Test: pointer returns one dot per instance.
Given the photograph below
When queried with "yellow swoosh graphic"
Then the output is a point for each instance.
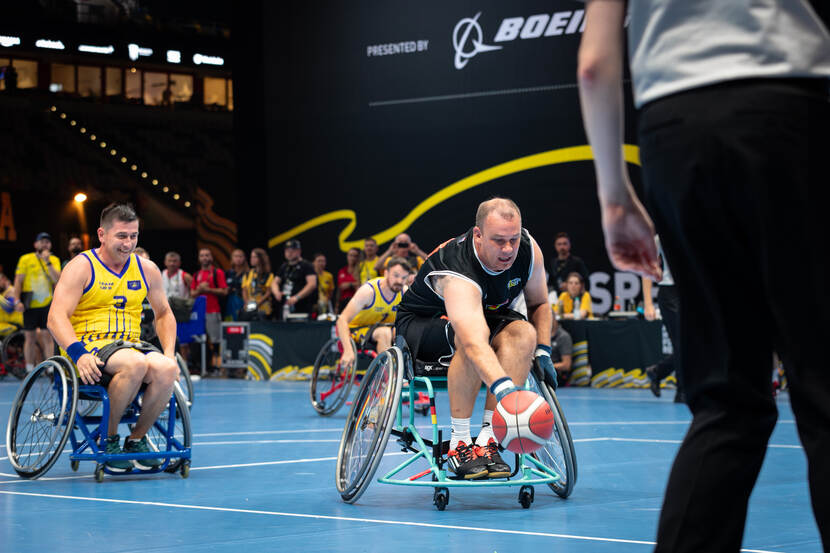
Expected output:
(552, 157)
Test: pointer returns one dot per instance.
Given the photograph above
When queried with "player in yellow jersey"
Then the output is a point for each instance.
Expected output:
(96, 318)
(376, 302)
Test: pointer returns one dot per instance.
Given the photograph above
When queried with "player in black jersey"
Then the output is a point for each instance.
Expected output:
(460, 306)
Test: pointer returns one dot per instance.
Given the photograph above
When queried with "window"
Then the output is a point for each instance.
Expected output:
(115, 76)
(154, 86)
(26, 73)
(63, 78)
(133, 83)
(215, 92)
(182, 87)
(89, 81)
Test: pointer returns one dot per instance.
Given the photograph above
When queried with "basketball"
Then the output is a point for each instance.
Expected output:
(522, 421)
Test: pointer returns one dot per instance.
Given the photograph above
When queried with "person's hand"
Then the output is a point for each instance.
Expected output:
(19, 307)
(546, 364)
(278, 295)
(44, 254)
(89, 368)
(292, 300)
(629, 238)
(650, 313)
(202, 286)
(347, 359)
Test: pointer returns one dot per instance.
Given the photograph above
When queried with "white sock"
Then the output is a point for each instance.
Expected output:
(29, 367)
(486, 429)
(460, 432)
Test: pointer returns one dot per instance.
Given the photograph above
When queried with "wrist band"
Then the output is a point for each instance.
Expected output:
(76, 350)
(546, 350)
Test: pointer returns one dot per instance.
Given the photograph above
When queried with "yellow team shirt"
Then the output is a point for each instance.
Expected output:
(381, 310)
(257, 288)
(566, 304)
(325, 287)
(36, 278)
(10, 319)
(110, 306)
(367, 270)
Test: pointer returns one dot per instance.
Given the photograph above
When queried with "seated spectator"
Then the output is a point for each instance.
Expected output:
(233, 278)
(563, 264)
(370, 257)
(325, 285)
(10, 319)
(562, 349)
(402, 246)
(256, 288)
(176, 282)
(210, 282)
(348, 279)
(575, 302)
(295, 283)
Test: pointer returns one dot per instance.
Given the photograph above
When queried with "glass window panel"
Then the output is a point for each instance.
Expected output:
(181, 87)
(89, 81)
(115, 76)
(132, 81)
(63, 75)
(215, 91)
(154, 87)
(26, 73)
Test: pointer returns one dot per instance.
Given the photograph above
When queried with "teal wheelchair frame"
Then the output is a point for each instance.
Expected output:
(377, 413)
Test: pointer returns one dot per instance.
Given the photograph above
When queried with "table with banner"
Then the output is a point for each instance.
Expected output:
(607, 353)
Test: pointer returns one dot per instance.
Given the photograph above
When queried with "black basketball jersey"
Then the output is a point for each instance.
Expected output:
(457, 257)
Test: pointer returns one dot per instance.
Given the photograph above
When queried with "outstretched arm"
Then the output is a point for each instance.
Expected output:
(628, 228)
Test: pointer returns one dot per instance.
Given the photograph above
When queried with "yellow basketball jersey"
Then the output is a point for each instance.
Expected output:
(110, 307)
(381, 310)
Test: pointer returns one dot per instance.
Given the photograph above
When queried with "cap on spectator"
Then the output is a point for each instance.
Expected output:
(293, 244)
(43, 235)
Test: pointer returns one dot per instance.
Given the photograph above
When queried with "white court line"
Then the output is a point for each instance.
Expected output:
(349, 519)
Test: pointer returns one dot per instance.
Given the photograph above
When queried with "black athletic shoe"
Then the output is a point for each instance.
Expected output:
(654, 384)
(496, 467)
(467, 461)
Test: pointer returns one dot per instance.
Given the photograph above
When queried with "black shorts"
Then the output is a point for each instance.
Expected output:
(433, 338)
(35, 317)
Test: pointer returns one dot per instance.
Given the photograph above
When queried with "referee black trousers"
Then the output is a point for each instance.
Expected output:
(736, 178)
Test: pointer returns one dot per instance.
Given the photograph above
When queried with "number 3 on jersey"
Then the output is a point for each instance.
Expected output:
(120, 301)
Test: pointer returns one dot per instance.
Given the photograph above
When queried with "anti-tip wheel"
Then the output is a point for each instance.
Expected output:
(99, 473)
(526, 496)
(440, 498)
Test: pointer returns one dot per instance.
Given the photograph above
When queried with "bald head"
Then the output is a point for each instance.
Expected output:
(501, 207)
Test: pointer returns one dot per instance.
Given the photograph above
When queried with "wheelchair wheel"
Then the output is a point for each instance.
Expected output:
(41, 418)
(369, 424)
(11, 354)
(185, 383)
(157, 435)
(328, 396)
(558, 453)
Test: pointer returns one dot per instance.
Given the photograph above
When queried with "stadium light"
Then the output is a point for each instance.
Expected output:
(174, 56)
(50, 44)
(80, 197)
(9, 41)
(96, 49)
(209, 60)
(134, 51)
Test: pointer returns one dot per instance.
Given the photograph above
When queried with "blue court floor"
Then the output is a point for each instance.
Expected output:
(263, 480)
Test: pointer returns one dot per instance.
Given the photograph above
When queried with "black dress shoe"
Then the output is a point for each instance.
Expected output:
(654, 384)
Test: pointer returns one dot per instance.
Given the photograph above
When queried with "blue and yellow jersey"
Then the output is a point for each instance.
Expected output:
(110, 307)
(381, 310)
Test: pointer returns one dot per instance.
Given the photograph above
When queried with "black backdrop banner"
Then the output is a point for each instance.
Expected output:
(385, 116)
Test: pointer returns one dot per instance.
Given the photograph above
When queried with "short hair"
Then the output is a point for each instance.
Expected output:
(139, 250)
(504, 207)
(118, 211)
(561, 235)
(173, 254)
(578, 276)
(370, 239)
(317, 254)
(397, 260)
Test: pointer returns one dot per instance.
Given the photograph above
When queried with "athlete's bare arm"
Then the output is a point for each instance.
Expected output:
(74, 278)
(462, 301)
(360, 301)
(164, 319)
(536, 296)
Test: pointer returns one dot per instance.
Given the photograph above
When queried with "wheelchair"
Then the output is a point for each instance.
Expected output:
(11, 354)
(52, 406)
(376, 414)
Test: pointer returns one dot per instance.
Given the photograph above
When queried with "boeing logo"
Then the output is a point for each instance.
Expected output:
(460, 37)
(468, 38)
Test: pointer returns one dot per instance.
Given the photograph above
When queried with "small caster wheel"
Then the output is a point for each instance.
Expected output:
(99, 473)
(185, 470)
(526, 496)
(440, 498)
(75, 465)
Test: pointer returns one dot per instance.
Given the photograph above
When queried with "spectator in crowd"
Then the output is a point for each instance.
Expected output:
(10, 319)
(370, 258)
(141, 252)
(565, 263)
(575, 301)
(562, 349)
(148, 316)
(402, 246)
(256, 288)
(176, 282)
(669, 307)
(325, 285)
(210, 282)
(34, 281)
(295, 284)
(76, 246)
(233, 278)
(348, 280)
